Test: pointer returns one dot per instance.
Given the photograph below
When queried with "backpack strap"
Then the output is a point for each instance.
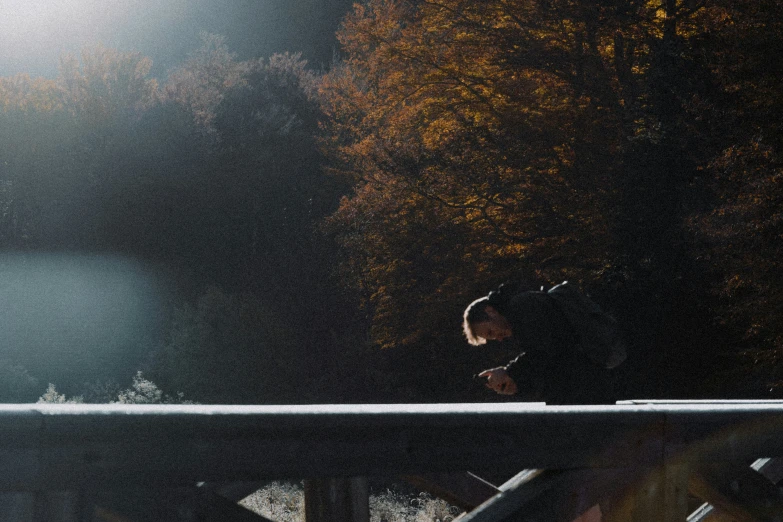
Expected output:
(500, 297)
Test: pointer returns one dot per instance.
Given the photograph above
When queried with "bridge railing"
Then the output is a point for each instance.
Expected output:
(595, 451)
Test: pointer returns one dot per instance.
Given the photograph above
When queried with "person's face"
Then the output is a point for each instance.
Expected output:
(496, 328)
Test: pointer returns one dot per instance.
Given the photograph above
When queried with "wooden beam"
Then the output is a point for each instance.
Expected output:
(337, 500)
(234, 491)
(58, 447)
(554, 496)
(192, 504)
(514, 494)
(739, 491)
(770, 468)
(212, 506)
(464, 490)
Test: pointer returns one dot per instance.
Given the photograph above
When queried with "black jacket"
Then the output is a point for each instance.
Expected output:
(550, 367)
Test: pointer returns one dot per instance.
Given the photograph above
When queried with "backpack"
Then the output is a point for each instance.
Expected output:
(598, 333)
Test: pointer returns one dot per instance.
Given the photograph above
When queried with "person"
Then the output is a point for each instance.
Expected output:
(567, 345)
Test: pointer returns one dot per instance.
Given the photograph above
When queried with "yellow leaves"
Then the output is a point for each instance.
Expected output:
(23, 93)
(440, 133)
(513, 250)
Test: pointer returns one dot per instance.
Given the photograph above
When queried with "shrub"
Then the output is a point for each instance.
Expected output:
(51, 396)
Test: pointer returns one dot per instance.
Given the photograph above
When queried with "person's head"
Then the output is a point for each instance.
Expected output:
(481, 322)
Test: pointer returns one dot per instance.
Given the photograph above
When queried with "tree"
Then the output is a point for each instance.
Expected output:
(52, 396)
(541, 141)
(106, 84)
(61, 142)
(144, 391)
(215, 181)
(18, 384)
(436, 125)
(203, 80)
(36, 133)
(739, 227)
(230, 349)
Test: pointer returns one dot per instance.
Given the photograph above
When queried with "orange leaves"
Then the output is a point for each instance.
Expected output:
(457, 120)
(745, 237)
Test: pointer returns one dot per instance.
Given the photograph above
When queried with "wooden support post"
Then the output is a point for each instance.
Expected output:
(337, 500)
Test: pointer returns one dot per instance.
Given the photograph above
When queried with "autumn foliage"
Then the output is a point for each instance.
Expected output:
(324, 228)
(627, 145)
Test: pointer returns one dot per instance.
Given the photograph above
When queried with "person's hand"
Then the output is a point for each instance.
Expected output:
(499, 380)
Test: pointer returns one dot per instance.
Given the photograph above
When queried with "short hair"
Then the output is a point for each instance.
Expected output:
(475, 313)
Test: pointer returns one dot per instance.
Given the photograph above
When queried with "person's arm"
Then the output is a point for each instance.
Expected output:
(499, 380)
(518, 376)
(518, 368)
(533, 324)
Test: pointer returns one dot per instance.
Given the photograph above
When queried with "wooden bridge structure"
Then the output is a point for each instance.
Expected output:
(651, 461)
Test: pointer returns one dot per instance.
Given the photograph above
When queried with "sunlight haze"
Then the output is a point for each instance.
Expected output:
(33, 35)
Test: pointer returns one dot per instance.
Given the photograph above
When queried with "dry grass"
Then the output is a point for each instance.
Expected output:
(278, 501)
(284, 502)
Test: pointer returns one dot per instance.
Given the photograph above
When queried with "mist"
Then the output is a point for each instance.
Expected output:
(77, 317)
(34, 35)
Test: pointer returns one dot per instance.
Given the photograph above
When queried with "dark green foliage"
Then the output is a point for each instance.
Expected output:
(104, 162)
(230, 349)
(18, 385)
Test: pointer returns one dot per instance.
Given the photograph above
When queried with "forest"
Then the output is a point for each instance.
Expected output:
(316, 230)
